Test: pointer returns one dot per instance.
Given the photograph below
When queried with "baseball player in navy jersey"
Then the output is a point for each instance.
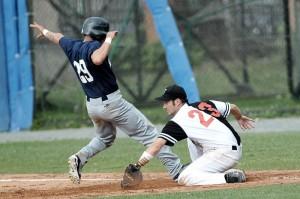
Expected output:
(105, 105)
(215, 147)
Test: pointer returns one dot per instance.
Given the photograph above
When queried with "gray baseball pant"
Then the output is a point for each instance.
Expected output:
(117, 112)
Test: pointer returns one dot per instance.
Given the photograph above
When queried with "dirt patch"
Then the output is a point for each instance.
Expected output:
(108, 184)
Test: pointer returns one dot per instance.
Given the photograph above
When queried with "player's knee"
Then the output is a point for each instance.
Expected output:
(184, 178)
(108, 140)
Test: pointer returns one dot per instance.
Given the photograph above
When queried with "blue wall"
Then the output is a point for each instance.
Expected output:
(178, 62)
(4, 106)
(16, 96)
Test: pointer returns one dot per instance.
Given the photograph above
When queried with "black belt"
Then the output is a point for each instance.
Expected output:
(104, 98)
(234, 148)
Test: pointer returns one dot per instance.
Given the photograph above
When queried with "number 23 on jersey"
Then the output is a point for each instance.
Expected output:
(83, 72)
(202, 120)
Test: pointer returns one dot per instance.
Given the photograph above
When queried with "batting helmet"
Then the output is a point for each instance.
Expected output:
(96, 27)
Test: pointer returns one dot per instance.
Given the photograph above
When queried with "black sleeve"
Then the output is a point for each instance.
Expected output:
(66, 44)
(195, 104)
(92, 48)
(172, 133)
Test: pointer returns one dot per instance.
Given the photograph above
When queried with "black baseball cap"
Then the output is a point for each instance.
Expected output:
(173, 92)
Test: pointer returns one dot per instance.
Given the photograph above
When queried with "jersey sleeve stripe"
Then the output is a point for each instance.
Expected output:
(168, 137)
(227, 109)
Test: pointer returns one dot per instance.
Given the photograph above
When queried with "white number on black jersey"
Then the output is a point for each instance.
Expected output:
(83, 72)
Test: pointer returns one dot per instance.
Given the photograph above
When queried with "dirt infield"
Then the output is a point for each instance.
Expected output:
(108, 184)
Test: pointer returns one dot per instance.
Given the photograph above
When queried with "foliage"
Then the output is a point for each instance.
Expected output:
(59, 119)
(261, 107)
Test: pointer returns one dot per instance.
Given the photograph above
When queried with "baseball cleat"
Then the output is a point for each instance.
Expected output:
(74, 169)
(235, 176)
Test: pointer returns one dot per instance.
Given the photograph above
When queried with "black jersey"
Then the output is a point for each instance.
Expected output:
(96, 81)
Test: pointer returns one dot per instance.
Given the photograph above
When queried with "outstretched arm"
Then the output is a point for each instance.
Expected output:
(243, 121)
(51, 36)
(101, 53)
(151, 152)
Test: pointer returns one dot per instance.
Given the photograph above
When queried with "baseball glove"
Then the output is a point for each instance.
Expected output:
(132, 176)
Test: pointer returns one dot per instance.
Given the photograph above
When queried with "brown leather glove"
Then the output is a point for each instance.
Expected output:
(132, 176)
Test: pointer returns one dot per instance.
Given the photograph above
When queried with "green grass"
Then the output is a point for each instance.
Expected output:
(291, 191)
(266, 151)
(271, 151)
(261, 152)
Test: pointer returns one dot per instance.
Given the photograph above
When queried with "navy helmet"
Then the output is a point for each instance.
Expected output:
(96, 27)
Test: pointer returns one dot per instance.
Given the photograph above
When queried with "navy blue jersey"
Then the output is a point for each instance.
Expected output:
(96, 81)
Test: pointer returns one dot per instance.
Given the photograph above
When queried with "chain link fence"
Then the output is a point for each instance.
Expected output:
(236, 48)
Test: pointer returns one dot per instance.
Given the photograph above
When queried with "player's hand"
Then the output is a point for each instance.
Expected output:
(112, 34)
(38, 27)
(246, 122)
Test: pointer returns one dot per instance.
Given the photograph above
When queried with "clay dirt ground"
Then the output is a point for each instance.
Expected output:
(108, 184)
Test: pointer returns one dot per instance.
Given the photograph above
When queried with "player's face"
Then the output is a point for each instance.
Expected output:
(170, 107)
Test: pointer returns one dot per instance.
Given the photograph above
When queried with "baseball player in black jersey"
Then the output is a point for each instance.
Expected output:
(215, 147)
(105, 105)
